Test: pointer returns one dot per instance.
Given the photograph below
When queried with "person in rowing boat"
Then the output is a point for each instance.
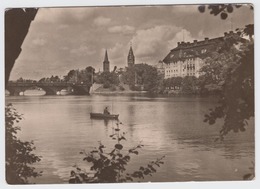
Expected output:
(106, 111)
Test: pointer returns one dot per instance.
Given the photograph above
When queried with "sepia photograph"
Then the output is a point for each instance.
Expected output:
(129, 94)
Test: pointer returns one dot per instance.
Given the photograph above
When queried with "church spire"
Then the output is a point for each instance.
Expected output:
(106, 57)
(106, 63)
(130, 57)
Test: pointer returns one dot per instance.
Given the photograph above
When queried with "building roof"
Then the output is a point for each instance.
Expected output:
(195, 49)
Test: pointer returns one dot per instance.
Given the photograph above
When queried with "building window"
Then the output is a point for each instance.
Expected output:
(203, 51)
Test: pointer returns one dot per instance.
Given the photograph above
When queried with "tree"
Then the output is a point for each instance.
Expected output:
(216, 68)
(90, 73)
(69, 76)
(85, 76)
(42, 80)
(90, 69)
(143, 74)
(189, 84)
(237, 95)
(236, 103)
(20, 79)
(18, 155)
(108, 79)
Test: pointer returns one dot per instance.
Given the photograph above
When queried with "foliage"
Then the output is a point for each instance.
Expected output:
(220, 9)
(19, 154)
(216, 68)
(189, 84)
(70, 75)
(20, 80)
(110, 167)
(142, 74)
(237, 97)
(251, 174)
(233, 67)
(108, 79)
(186, 85)
(85, 76)
(121, 88)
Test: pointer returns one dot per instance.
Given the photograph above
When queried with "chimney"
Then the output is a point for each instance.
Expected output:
(195, 41)
(225, 34)
(206, 39)
(179, 43)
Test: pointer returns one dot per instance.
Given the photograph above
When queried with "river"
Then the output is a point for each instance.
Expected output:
(60, 127)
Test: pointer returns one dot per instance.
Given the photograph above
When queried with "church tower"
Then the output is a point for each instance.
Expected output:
(106, 63)
(130, 58)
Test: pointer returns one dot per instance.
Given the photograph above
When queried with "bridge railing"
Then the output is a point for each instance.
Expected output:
(58, 84)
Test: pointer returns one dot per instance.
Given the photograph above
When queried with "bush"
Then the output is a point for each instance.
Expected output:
(19, 156)
(110, 167)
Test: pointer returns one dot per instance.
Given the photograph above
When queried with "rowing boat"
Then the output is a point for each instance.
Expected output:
(103, 116)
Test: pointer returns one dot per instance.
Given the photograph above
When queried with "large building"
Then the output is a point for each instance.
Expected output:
(188, 58)
(130, 58)
(106, 63)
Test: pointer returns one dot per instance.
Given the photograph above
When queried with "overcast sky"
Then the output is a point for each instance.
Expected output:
(61, 39)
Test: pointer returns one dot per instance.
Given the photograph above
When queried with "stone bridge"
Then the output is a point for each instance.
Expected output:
(52, 88)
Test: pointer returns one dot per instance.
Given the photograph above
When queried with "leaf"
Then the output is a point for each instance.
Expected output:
(119, 146)
(147, 171)
(153, 169)
(223, 15)
(129, 178)
(122, 138)
(247, 176)
(88, 159)
(127, 158)
(201, 8)
(230, 8)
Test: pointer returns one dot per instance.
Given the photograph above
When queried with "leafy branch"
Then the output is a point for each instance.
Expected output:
(221, 9)
(110, 167)
(19, 154)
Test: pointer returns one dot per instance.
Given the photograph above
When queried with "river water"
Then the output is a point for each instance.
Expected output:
(60, 127)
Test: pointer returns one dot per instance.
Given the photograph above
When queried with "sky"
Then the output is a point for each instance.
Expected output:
(62, 39)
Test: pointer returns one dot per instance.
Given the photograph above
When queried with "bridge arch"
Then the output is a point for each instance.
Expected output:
(36, 91)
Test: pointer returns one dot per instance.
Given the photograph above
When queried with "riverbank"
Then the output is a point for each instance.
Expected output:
(119, 92)
(122, 89)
